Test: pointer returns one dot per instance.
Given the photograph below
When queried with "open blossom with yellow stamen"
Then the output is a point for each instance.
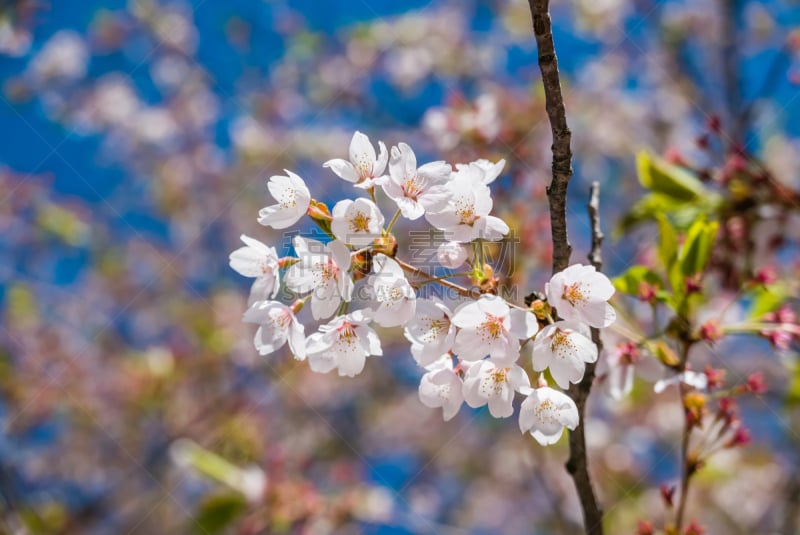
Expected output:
(493, 383)
(442, 387)
(343, 344)
(466, 216)
(430, 331)
(277, 325)
(322, 270)
(293, 200)
(416, 190)
(488, 326)
(364, 166)
(565, 347)
(357, 222)
(545, 413)
(581, 293)
(393, 299)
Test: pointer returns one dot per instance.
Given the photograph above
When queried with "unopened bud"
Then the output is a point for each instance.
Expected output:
(667, 494)
(318, 211)
(694, 529)
(541, 309)
(386, 245)
(711, 332)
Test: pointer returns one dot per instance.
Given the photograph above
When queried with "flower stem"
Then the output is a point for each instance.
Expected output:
(392, 222)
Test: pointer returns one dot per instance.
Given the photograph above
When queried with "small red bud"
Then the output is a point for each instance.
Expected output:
(711, 332)
(694, 529)
(756, 383)
(728, 410)
(767, 275)
(693, 285)
(667, 494)
(645, 528)
(741, 436)
(716, 377)
(714, 124)
(647, 292)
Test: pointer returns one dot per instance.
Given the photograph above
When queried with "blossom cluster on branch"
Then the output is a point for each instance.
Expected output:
(470, 346)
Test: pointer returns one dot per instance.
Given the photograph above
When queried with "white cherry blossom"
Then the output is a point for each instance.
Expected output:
(364, 166)
(545, 413)
(293, 200)
(491, 170)
(466, 215)
(343, 344)
(494, 383)
(357, 222)
(565, 347)
(277, 325)
(322, 270)
(488, 326)
(451, 254)
(442, 387)
(258, 261)
(416, 190)
(581, 293)
(393, 299)
(431, 331)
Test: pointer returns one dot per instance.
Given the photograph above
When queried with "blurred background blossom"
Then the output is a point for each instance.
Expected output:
(136, 143)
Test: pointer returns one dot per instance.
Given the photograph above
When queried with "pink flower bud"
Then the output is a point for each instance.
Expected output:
(716, 377)
(694, 529)
(767, 275)
(740, 437)
(711, 332)
(667, 494)
(756, 383)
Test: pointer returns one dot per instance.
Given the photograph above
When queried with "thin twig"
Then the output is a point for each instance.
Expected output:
(577, 465)
(460, 290)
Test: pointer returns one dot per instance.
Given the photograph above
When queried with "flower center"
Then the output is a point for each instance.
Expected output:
(326, 271)
(364, 167)
(547, 413)
(494, 382)
(360, 223)
(282, 318)
(465, 210)
(561, 344)
(574, 294)
(412, 188)
(434, 328)
(492, 327)
(347, 337)
(288, 198)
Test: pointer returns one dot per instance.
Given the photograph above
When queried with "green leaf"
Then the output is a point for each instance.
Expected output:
(667, 241)
(218, 511)
(696, 250)
(630, 282)
(768, 299)
(659, 176)
(793, 392)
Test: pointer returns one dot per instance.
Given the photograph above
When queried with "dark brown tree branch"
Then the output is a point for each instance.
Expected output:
(557, 196)
(562, 137)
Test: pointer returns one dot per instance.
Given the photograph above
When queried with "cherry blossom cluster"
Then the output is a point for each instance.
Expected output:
(470, 346)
